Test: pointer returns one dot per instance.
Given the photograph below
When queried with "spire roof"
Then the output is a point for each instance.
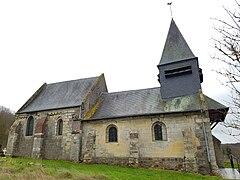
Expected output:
(176, 48)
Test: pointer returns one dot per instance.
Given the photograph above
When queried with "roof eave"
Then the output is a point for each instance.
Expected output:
(23, 112)
(145, 114)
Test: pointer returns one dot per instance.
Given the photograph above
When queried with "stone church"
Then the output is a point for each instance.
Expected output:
(165, 127)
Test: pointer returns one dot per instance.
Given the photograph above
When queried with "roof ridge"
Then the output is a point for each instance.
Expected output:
(131, 90)
(72, 80)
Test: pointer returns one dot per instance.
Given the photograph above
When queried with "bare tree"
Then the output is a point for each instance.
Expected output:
(6, 120)
(226, 43)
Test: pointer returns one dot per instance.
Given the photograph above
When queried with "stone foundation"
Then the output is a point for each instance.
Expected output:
(160, 163)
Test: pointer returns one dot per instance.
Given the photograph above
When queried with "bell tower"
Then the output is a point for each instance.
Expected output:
(179, 73)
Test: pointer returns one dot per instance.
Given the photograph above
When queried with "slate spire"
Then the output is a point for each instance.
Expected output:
(179, 72)
(176, 48)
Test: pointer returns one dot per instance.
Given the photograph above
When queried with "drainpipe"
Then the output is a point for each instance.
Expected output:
(203, 113)
(205, 138)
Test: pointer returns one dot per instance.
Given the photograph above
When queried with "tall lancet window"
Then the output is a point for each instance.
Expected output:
(60, 127)
(30, 126)
(158, 132)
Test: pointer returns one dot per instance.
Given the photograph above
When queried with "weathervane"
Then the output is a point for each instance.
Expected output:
(170, 5)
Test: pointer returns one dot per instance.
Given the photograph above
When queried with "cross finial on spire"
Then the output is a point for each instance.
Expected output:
(170, 5)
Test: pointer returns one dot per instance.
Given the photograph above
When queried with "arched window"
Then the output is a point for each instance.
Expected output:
(59, 127)
(112, 135)
(159, 131)
(30, 126)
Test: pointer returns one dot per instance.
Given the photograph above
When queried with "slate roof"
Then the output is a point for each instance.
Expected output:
(147, 102)
(113, 105)
(176, 48)
(60, 95)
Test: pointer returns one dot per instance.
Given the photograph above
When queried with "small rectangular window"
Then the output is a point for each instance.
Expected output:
(178, 71)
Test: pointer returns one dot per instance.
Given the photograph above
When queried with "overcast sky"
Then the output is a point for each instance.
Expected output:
(54, 40)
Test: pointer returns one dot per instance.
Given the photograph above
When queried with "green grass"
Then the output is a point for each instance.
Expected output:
(228, 165)
(19, 168)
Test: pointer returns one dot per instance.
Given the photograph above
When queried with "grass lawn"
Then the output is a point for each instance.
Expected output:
(228, 165)
(29, 169)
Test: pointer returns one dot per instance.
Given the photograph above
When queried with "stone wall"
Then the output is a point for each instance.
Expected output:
(136, 146)
(19, 145)
(156, 162)
(45, 143)
(173, 147)
(205, 155)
